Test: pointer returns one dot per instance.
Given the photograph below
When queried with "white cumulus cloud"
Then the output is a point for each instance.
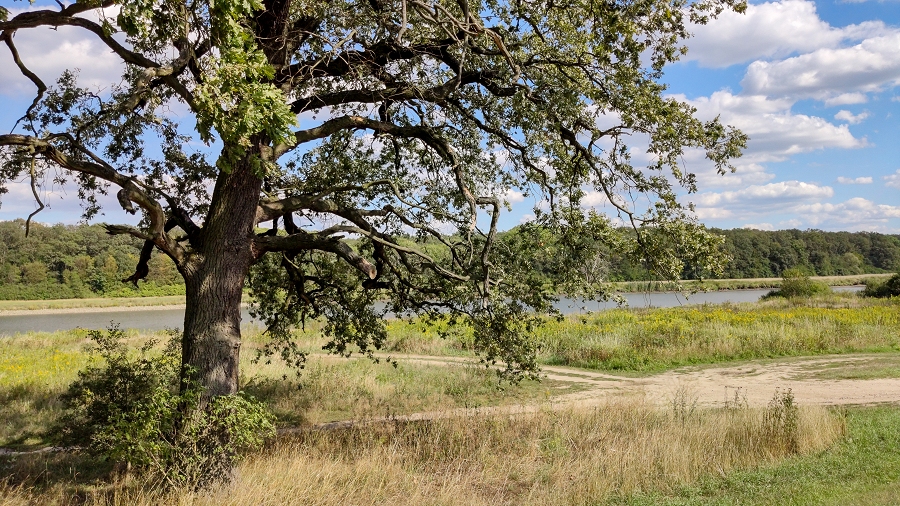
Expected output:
(829, 73)
(770, 30)
(847, 99)
(512, 196)
(758, 199)
(775, 132)
(48, 52)
(854, 214)
(759, 226)
(892, 180)
(849, 117)
(858, 180)
(771, 195)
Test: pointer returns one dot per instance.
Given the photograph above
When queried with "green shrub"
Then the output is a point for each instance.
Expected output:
(781, 421)
(883, 289)
(795, 283)
(129, 409)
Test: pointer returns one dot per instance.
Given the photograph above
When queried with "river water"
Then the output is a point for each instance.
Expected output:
(165, 317)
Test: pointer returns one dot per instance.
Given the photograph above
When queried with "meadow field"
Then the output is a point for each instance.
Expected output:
(474, 440)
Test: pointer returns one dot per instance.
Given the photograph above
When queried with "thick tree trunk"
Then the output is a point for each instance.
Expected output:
(214, 279)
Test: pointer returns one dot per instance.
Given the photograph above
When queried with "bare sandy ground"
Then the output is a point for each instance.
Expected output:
(751, 383)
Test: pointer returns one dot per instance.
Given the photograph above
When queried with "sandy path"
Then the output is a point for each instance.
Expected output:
(753, 383)
(758, 381)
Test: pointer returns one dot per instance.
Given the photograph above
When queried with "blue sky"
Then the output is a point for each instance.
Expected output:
(814, 85)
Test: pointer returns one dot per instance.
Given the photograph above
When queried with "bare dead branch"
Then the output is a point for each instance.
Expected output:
(7, 37)
(303, 241)
(130, 189)
(37, 198)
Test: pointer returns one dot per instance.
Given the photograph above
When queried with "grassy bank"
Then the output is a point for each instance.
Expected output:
(570, 457)
(863, 469)
(742, 284)
(658, 339)
(628, 286)
(624, 452)
(648, 340)
(100, 302)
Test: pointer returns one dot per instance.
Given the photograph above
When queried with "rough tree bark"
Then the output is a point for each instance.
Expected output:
(214, 280)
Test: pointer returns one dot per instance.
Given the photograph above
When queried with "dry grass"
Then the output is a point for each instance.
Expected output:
(36, 368)
(333, 388)
(548, 457)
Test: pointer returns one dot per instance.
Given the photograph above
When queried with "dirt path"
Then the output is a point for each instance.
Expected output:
(753, 383)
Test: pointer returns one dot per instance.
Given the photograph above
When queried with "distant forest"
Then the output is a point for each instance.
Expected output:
(760, 254)
(78, 261)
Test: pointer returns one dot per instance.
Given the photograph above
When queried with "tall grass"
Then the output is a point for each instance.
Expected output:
(333, 388)
(662, 338)
(657, 339)
(36, 368)
(548, 457)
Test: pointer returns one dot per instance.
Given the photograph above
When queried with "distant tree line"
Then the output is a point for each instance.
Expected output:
(75, 261)
(754, 254)
(78, 261)
(761, 254)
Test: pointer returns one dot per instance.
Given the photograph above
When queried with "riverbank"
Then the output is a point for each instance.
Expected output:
(710, 285)
(94, 309)
(101, 304)
(11, 307)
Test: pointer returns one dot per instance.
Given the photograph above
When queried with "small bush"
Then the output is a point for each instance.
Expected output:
(781, 421)
(129, 409)
(795, 283)
(883, 290)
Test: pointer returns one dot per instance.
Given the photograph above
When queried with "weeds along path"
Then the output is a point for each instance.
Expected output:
(750, 383)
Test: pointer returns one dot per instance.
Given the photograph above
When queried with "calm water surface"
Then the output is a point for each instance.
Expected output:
(158, 319)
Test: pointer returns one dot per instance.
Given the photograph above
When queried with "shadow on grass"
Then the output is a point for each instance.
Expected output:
(280, 395)
(26, 414)
(64, 477)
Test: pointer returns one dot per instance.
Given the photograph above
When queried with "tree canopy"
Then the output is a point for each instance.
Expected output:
(362, 133)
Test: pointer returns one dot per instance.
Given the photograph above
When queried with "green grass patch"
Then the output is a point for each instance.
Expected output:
(629, 341)
(34, 370)
(743, 284)
(650, 340)
(858, 368)
(658, 339)
(863, 468)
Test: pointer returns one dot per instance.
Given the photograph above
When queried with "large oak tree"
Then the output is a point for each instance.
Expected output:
(376, 143)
